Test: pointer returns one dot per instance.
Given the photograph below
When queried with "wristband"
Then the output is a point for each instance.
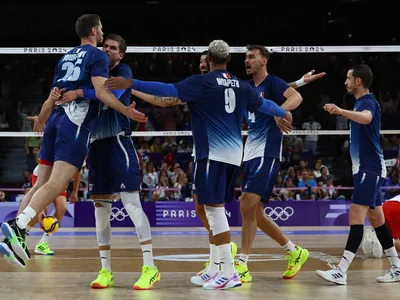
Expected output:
(300, 82)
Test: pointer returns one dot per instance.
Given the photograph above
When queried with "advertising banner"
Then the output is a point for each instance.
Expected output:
(183, 214)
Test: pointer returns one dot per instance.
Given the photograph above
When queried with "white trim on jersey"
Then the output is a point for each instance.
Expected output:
(123, 150)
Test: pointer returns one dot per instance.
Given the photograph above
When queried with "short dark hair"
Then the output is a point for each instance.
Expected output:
(205, 52)
(363, 72)
(263, 50)
(85, 23)
(119, 39)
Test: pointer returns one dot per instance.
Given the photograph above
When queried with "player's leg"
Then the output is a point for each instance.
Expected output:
(260, 180)
(377, 219)
(102, 212)
(45, 168)
(69, 153)
(214, 256)
(365, 189)
(214, 186)
(100, 191)
(126, 180)
(60, 205)
(391, 210)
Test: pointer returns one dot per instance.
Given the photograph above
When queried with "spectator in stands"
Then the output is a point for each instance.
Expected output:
(309, 183)
(156, 146)
(286, 193)
(162, 192)
(311, 140)
(189, 171)
(150, 179)
(3, 197)
(323, 175)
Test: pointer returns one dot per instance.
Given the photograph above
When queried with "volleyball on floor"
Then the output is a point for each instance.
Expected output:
(50, 224)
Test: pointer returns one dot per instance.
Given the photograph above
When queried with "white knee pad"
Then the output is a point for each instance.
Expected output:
(133, 207)
(103, 226)
(217, 219)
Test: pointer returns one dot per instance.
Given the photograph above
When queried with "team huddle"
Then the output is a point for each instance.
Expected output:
(87, 117)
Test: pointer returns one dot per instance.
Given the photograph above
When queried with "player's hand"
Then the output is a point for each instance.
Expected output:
(310, 76)
(38, 125)
(134, 114)
(41, 216)
(289, 116)
(118, 83)
(73, 198)
(283, 124)
(56, 93)
(333, 109)
(67, 97)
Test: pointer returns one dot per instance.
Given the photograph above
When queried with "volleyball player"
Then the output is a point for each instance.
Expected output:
(217, 102)
(66, 134)
(369, 171)
(114, 168)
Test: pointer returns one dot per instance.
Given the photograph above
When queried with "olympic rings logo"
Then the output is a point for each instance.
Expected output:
(118, 214)
(279, 213)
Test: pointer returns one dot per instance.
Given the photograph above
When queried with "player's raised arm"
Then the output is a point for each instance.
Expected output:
(147, 87)
(47, 107)
(85, 93)
(99, 74)
(157, 100)
(362, 117)
(293, 99)
(307, 78)
(110, 100)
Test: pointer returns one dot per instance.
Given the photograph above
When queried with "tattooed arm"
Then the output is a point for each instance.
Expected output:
(157, 100)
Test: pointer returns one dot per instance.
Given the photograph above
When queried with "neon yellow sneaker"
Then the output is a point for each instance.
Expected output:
(243, 272)
(295, 260)
(104, 280)
(233, 250)
(43, 248)
(150, 276)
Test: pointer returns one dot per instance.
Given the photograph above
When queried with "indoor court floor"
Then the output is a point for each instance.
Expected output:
(181, 252)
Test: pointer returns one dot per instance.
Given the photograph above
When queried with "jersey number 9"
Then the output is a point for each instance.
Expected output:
(230, 100)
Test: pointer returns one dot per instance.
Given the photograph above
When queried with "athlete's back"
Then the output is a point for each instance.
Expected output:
(217, 102)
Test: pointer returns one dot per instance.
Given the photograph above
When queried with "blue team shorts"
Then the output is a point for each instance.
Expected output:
(214, 181)
(64, 140)
(113, 166)
(259, 176)
(367, 188)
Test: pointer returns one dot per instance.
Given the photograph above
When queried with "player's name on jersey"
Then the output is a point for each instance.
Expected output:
(228, 82)
(74, 56)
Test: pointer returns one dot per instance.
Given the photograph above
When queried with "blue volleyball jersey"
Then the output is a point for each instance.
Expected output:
(110, 122)
(365, 146)
(217, 102)
(74, 71)
(264, 137)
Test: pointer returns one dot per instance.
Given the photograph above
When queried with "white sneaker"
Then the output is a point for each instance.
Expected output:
(335, 275)
(377, 250)
(223, 283)
(203, 278)
(367, 242)
(392, 275)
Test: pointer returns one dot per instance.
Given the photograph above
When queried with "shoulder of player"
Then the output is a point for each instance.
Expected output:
(123, 70)
(96, 52)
